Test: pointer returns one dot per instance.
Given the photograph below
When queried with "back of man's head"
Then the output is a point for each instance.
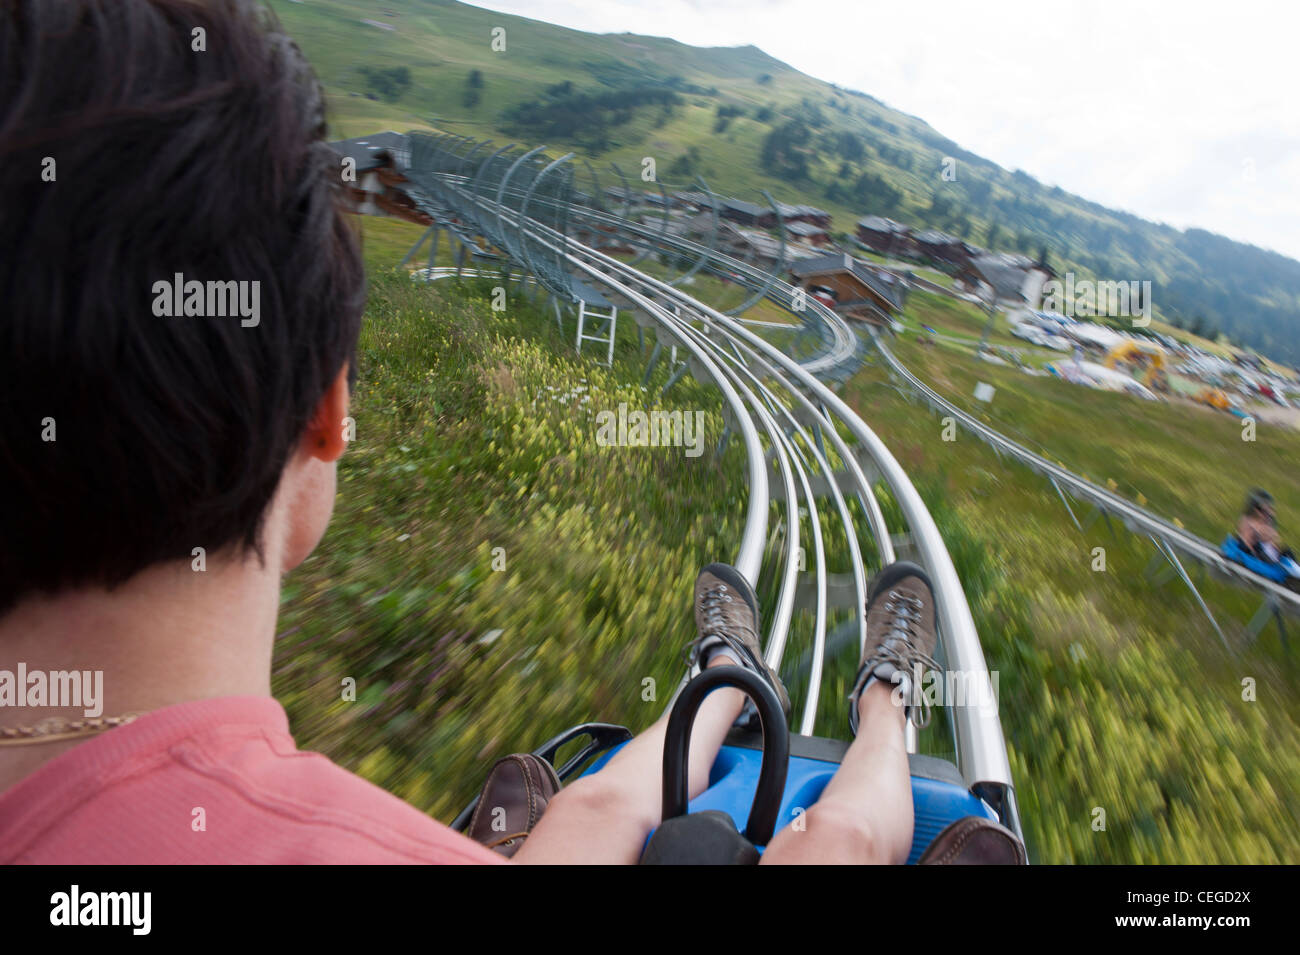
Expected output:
(145, 146)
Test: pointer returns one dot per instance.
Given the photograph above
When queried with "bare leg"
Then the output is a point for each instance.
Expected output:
(605, 819)
(864, 816)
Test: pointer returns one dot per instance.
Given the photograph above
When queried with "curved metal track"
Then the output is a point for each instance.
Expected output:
(1175, 540)
(807, 453)
(1169, 539)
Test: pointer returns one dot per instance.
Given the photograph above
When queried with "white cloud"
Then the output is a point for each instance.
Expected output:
(1152, 108)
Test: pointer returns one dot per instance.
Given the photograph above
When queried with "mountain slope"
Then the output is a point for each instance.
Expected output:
(623, 97)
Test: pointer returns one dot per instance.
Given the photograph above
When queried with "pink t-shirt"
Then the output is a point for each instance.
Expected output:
(131, 795)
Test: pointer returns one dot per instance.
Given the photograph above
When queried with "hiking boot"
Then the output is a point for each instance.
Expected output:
(900, 638)
(726, 621)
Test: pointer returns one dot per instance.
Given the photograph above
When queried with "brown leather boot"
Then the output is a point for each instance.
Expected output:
(513, 799)
(726, 621)
(975, 841)
(900, 638)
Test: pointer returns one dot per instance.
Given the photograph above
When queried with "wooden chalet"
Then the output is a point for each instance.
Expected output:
(885, 236)
(379, 187)
(860, 291)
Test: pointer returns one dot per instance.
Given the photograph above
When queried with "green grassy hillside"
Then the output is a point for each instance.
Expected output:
(492, 575)
(472, 434)
(1115, 693)
(839, 149)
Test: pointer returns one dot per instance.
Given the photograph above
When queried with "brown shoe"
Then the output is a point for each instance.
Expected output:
(726, 621)
(900, 638)
(516, 793)
(975, 841)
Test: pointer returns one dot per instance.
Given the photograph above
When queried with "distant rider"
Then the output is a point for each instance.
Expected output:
(1257, 531)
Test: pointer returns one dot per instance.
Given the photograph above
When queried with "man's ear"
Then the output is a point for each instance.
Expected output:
(323, 438)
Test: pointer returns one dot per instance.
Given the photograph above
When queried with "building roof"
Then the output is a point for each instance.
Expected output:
(696, 198)
(1093, 334)
(747, 208)
(370, 152)
(830, 262)
(769, 246)
(934, 237)
(800, 210)
(885, 284)
(762, 243)
(804, 228)
(702, 222)
(1005, 273)
(881, 224)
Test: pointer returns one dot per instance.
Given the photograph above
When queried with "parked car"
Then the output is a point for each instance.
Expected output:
(1028, 331)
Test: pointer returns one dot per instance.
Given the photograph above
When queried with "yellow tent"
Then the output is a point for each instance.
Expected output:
(1144, 356)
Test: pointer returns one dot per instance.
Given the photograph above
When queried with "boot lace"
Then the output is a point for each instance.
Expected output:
(713, 606)
(903, 617)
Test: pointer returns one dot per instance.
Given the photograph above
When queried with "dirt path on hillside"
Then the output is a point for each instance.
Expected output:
(1274, 414)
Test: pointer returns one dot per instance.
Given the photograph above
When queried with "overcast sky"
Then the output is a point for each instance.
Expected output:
(1182, 111)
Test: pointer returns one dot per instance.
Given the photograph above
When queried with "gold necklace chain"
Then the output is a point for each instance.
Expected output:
(56, 728)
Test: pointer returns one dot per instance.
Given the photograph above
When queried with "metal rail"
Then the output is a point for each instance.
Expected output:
(784, 413)
(1170, 539)
(1136, 518)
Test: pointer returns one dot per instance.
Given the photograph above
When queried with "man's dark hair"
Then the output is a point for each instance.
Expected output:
(140, 139)
(1257, 500)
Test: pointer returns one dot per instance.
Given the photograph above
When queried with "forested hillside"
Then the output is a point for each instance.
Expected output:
(745, 121)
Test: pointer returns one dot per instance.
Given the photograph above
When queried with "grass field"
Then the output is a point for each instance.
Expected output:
(1188, 463)
(441, 43)
(472, 435)
(475, 431)
(1116, 693)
